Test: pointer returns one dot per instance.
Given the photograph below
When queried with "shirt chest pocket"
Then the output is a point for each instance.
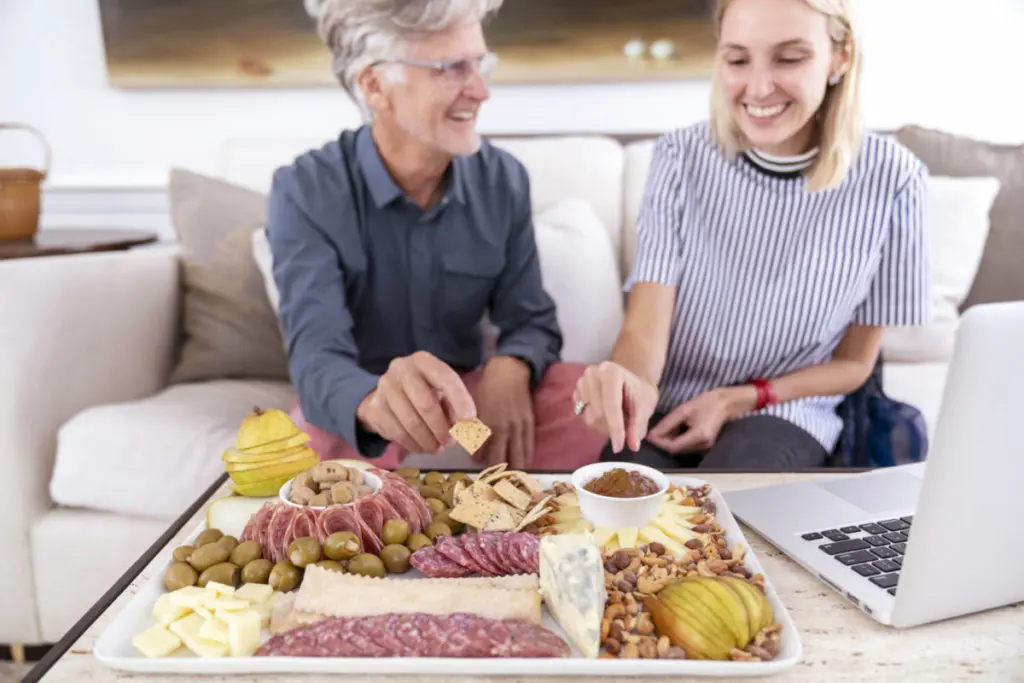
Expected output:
(468, 281)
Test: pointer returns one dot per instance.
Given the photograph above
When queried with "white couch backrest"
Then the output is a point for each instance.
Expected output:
(588, 167)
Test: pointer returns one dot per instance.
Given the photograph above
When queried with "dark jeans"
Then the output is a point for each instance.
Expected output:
(759, 443)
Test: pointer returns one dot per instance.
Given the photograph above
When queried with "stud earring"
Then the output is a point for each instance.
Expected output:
(834, 79)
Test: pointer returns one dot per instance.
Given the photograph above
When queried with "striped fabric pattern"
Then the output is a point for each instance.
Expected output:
(769, 275)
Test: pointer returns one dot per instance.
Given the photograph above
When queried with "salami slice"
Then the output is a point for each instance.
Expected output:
(529, 551)
(492, 545)
(370, 540)
(394, 482)
(276, 532)
(434, 565)
(406, 509)
(453, 550)
(473, 546)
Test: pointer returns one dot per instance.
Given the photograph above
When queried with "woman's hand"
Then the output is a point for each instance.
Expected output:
(703, 417)
(616, 403)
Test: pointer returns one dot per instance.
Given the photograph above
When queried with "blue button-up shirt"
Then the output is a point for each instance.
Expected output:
(366, 276)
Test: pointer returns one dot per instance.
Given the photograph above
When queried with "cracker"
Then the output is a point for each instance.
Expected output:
(535, 513)
(470, 434)
(532, 486)
(488, 474)
(472, 511)
(515, 497)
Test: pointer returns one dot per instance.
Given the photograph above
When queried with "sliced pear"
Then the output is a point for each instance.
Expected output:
(275, 471)
(728, 605)
(627, 536)
(299, 439)
(261, 488)
(720, 623)
(674, 530)
(603, 534)
(233, 455)
(297, 453)
(261, 427)
(652, 534)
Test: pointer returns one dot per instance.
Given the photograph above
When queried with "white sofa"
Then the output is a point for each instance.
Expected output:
(88, 342)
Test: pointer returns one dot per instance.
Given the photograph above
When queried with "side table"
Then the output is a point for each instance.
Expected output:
(60, 241)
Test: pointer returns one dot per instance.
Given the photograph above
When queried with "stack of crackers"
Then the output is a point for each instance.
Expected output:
(499, 499)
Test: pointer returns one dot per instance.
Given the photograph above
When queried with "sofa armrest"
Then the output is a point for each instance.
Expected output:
(75, 331)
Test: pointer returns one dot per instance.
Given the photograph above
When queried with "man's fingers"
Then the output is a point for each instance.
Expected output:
(497, 451)
(448, 382)
(515, 454)
(428, 404)
(528, 443)
(410, 420)
(391, 429)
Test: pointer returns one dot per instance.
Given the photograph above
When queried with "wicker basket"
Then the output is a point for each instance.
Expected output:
(21, 194)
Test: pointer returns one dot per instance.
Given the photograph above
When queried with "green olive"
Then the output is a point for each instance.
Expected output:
(408, 472)
(448, 494)
(257, 571)
(431, 491)
(436, 505)
(180, 575)
(395, 558)
(206, 556)
(435, 529)
(182, 553)
(229, 542)
(417, 541)
(333, 565)
(366, 564)
(209, 536)
(433, 478)
(245, 552)
(457, 476)
(455, 525)
(395, 531)
(285, 577)
(342, 545)
(303, 551)
(224, 572)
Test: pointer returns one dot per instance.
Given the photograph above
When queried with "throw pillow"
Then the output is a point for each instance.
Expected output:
(1000, 277)
(229, 328)
(958, 213)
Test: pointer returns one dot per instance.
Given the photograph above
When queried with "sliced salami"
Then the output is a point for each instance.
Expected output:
(371, 541)
(473, 546)
(276, 532)
(434, 565)
(406, 509)
(371, 512)
(453, 550)
(492, 545)
(529, 551)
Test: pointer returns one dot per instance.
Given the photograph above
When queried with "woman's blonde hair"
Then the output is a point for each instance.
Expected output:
(838, 117)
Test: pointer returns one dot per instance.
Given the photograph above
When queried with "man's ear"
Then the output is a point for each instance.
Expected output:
(372, 85)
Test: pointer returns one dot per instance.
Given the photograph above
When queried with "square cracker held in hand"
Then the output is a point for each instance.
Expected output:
(470, 434)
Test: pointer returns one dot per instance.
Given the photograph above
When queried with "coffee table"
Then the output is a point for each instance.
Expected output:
(840, 643)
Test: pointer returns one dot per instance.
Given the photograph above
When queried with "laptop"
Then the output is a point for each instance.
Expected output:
(920, 543)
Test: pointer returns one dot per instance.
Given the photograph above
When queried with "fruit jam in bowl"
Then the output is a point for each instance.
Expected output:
(619, 494)
(329, 483)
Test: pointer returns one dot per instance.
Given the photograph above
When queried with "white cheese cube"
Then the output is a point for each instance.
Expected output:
(244, 633)
(219, 589)
(156, 641)
(189, 596)
(255, 593)
(214, 630)
(229, 604)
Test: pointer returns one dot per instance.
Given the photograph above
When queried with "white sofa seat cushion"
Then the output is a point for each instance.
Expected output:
(919, 384)
(153, 457)
(77, 555)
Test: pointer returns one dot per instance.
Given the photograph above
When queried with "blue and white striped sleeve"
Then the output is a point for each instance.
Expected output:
(901, 292)
(658, 255)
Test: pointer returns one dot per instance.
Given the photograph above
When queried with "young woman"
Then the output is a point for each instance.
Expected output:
(775, 244)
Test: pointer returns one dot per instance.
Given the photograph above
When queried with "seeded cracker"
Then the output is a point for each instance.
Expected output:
(470, 434)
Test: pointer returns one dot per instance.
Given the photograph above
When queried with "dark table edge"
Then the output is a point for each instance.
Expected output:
(121, 585)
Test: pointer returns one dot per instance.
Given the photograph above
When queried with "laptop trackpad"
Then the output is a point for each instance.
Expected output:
(883, 492)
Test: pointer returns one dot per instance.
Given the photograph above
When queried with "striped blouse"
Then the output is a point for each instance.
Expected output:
(770, 275)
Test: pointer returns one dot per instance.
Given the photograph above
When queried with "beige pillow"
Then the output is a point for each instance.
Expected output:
(229, 327)
(1000, 277)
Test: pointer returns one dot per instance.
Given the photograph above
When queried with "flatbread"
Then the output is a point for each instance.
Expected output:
(470, 434)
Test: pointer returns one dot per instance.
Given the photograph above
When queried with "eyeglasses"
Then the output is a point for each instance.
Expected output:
(457, 71)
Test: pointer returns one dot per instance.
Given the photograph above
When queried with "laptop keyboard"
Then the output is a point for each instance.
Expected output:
(873, 550)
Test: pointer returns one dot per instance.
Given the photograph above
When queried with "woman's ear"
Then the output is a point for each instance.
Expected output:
(840, 63)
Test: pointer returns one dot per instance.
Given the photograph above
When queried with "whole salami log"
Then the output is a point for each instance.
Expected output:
(416, 635)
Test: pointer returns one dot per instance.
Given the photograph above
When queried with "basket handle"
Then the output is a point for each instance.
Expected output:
(46, 147)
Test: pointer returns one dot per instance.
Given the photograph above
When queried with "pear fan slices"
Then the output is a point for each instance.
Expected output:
(676, 524)
(269, 450)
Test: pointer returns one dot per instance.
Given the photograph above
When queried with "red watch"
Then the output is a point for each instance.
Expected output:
(765, 393)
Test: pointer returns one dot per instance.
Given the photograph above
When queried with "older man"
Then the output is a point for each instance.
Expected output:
(391, 243)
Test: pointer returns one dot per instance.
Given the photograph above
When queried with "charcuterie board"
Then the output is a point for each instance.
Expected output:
(515, 609)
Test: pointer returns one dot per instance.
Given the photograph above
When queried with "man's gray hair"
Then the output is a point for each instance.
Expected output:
(361, 32)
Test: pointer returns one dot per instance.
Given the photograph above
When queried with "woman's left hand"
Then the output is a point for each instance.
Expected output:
(703, 418)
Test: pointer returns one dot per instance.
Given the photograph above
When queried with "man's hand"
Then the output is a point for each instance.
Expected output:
(619, 404)
(504, 404)
(704, 417)
(416, 402)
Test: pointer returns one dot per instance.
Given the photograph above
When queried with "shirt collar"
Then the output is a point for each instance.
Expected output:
(383, 187)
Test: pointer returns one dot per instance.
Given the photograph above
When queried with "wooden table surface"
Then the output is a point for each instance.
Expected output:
(58, 241)
(840, 643)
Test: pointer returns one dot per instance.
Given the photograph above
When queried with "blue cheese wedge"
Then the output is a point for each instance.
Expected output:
(572, 585)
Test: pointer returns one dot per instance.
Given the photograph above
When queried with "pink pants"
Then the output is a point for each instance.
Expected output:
(563, 441)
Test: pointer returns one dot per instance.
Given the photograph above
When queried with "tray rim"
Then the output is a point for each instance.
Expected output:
(571, 666)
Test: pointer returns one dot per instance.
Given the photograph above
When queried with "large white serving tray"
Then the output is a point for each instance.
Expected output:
(114, 647)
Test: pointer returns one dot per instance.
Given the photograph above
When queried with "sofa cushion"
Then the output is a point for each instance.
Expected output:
(154, 456)
(578, 268)
(229, 328)
(918, 384)
(1000, 277)
(958, 217)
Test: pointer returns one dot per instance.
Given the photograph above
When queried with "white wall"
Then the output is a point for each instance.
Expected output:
(955, 74)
